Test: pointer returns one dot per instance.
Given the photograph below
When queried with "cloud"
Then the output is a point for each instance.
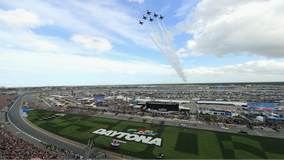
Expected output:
(185, 8)
(261, 67)
(182, 53)
(34, 42)
(101, 44)
(21, 19)
(80, 17)
(131, 72)
(15, 31)
(237, 27)
(28, 40)
(139, 1)
(57, 64)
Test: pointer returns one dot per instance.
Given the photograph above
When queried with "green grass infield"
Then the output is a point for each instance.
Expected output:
(176, 143)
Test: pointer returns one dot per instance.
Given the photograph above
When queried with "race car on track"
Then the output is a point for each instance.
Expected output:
(244, 132)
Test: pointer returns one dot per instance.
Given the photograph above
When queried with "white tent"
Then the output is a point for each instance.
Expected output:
(137, 106)
(119, 97)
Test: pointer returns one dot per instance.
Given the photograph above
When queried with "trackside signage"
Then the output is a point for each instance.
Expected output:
(129, 136)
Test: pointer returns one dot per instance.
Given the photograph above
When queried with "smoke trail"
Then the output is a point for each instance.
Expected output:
(172, 45)
(165, 36)
(156, 44)
(169, 36)
(164, 44)
(167, 48)
(154, 33)
(176, 60)
(167, 56)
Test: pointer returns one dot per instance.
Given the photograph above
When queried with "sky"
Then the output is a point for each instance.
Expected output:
(86, 42)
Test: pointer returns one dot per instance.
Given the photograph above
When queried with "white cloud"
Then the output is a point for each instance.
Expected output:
(15, 31)
(28, 40)
(185, 8)
(21, 19)
(34, 42)
(262, 68)
(139, 1)
(101, 44)
(89, 17)
(238, 27)
(54, 64)
(182, 53)
(131, 72)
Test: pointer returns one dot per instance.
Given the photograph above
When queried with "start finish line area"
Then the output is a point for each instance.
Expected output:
(142, 141)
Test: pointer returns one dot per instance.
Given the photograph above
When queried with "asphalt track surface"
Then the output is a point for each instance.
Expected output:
(34, 132)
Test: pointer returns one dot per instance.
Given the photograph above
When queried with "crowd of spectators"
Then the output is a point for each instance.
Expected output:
(14, 147)
(118, 103)
(5, 100)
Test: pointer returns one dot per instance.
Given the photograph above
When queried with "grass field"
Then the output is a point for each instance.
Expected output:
(176, 143)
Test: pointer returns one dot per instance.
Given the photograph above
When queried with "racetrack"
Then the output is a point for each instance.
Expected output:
(39, 134)
(234, 144)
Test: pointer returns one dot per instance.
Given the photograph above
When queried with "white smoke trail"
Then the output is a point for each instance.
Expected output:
(168, 56)
(176, 59)
(168, 43)
(172, 45)
(154, 33)
(167, 48)
(169, 37)
(163, 43)
(157, 44)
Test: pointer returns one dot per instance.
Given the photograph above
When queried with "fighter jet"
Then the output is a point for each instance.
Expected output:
(144, 17)
(148, 12)
(155, 15)
(140, 22)
(151, 20)
(161, 17)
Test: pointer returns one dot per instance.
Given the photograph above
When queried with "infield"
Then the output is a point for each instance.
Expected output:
(176, 143)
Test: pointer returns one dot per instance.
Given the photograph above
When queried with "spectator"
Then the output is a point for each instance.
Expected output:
(14, 147)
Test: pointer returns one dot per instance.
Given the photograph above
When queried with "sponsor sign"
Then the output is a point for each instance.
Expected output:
(60, 114)
(129, 136)
(259, 106)
(142, 131)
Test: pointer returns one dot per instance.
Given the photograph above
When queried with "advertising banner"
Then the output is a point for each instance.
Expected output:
(260, 106)
(99, 99)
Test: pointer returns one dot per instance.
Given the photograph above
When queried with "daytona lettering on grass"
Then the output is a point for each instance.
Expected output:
(129, 137)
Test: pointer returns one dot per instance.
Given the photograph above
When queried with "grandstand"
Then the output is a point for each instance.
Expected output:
(162, 106)
(5, 100)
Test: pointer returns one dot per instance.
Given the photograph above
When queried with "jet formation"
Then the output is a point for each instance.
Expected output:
(163, 41)
(151, 19)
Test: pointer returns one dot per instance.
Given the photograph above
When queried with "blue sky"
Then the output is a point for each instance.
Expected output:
(46, 43)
